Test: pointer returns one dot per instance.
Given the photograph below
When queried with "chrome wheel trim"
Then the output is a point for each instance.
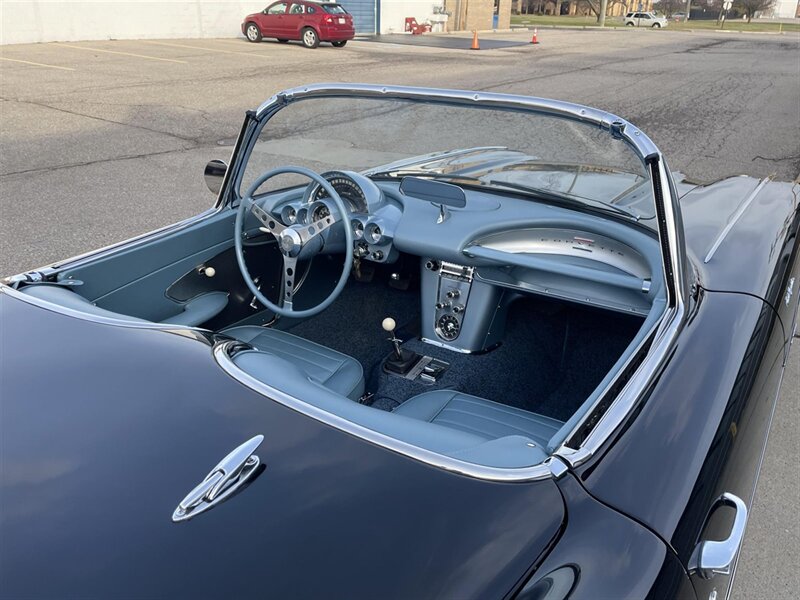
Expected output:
(252, 33)
(309, 37)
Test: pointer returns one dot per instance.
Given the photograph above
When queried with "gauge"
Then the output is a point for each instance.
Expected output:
(358, 229)
(347, 189)
(320, 211)
(288, 215)
(448, 327)
(374, 233)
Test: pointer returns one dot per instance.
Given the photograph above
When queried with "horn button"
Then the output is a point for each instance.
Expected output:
(290, 241)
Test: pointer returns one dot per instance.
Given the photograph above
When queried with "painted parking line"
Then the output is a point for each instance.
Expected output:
(172, 60)
(187, 46)
(29, 62)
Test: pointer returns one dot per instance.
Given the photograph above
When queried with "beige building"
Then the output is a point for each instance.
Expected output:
(466, 15)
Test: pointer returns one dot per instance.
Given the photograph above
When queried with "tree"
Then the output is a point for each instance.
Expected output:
(750, 7)
(669, 7)
(597, 8)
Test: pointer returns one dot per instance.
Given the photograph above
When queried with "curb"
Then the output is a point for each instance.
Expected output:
(615, 28)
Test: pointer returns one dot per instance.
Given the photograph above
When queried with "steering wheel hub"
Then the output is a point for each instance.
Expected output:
(290, 241)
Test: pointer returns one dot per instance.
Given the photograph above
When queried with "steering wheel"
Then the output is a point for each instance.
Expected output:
(291, 242)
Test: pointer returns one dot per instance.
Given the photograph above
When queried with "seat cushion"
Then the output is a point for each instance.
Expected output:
(336, 371)
(478, 416)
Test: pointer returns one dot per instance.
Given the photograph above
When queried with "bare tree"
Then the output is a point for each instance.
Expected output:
(596, 7)
(750, 7)
(669, 7)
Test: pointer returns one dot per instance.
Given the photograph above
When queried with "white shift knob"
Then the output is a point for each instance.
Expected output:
(388, 324)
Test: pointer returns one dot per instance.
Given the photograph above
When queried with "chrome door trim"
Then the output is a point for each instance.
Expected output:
(223, 351)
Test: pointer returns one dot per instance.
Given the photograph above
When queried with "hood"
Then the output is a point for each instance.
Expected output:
(741, 232)
(106, 428)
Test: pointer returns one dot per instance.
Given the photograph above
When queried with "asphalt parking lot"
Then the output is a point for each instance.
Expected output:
(103, 140)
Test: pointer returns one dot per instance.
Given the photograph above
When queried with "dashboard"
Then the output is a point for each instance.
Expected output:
(470, 254)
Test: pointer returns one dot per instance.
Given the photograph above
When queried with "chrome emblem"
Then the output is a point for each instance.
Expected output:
(226, 478)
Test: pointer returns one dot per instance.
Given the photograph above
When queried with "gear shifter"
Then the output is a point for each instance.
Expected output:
(401, 360)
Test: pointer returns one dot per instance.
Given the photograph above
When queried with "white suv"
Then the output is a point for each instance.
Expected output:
(645, 19)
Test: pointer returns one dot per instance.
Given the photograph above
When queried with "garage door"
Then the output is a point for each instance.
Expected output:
(364, 13)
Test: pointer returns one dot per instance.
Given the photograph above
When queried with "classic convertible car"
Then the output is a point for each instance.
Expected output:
(427, 343)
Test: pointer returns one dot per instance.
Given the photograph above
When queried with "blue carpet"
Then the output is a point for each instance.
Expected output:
(552, 357)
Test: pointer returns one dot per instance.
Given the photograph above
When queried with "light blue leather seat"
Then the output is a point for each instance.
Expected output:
(336, 371)
(478, 416)
(194, 312)
(511, 451)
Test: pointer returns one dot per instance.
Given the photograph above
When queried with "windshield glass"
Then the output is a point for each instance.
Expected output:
(524, 153)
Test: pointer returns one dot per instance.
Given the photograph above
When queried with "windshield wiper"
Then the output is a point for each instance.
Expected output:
(563, 197)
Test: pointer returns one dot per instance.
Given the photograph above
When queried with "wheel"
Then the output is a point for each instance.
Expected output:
(299, 241)
(253, 33)
(656, 25)
(282, 41)
(339, 44)
(310, 38)
(629, 24)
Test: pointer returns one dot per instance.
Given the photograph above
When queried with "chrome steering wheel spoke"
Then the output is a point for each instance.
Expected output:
(270, 224)
(310, 231)
(289, 280)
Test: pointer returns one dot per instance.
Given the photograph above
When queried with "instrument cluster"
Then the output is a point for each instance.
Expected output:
(370, 217)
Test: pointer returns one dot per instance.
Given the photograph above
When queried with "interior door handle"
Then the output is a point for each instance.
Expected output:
(712, 558)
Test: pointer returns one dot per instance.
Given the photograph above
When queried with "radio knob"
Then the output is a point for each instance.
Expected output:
(452, 294)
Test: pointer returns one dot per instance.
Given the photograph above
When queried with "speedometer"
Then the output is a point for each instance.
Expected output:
(349, 190)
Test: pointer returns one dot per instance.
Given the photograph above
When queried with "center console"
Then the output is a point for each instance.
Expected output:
(459, 312)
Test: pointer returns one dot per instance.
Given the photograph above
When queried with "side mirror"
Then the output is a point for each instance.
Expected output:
(214, 174)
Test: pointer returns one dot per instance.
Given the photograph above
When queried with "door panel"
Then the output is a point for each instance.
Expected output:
(294, 21)
(273, 24)
(701, 431)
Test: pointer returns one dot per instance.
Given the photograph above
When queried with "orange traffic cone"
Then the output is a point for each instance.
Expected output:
(535, 38)
(475, 44)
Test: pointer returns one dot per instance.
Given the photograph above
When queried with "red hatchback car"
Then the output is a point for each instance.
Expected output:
(309, 22)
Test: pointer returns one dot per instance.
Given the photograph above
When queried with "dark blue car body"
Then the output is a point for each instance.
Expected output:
(104, 427)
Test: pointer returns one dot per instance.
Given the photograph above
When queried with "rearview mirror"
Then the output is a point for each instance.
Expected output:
(214, 174)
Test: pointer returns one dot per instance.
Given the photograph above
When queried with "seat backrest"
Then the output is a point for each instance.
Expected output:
(285, 377)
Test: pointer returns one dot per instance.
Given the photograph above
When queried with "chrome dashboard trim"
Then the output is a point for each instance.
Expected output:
(561, 241)
(223, 352)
